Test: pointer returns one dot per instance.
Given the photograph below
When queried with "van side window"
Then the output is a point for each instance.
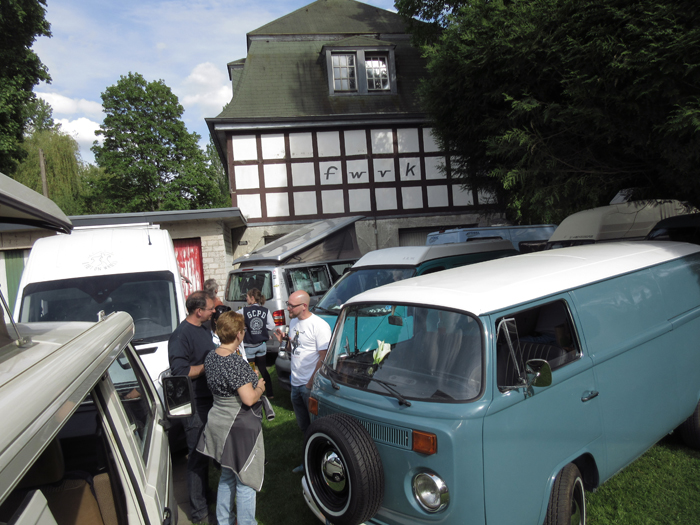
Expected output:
(136, 399)
(313, 280)
(544, 332)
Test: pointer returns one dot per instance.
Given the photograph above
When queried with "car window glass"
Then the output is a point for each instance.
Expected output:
(313, 280)
(240, 282)
(544, 332)
(135, 398)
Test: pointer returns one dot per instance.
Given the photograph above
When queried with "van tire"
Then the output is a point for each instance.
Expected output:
(567, 499)
(359, 490)
(690, 429)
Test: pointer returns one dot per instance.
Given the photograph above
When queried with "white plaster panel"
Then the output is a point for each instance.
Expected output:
(301, 145)
(384, 170)
(273, 146)
(409, 168)
(303, 174)
(246, 177)
(250, 206)
(359, 200)
(277, 205)
(386, 198)
(408, 140)
(462, 197)
(331, 172)
(437, 196)
(382, 141)
(412, 197)
(355, 142)
(486, 197)
(305, 203)
(429, 143)
(358, 172)
(275, 175)
(244, 148)
(432, 168)
(328, 143)
(332, 201)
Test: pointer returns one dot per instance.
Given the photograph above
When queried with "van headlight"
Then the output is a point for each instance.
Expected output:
(431, 492)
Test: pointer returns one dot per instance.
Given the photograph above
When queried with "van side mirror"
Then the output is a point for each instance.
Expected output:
(178, 396)
(539, 373)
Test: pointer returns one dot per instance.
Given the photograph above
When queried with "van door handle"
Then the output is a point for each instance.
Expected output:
(589, 395)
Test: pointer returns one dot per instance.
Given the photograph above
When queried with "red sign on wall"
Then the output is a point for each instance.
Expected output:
(189, 258)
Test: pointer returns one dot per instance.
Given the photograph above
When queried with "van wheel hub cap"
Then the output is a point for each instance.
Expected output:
(333, 471)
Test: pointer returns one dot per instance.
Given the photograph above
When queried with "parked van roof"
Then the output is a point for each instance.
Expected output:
(28, 377)
(294, 242)
(493, 285)
(92, 252)
(20, 205)
(619, 221)
(415, 255)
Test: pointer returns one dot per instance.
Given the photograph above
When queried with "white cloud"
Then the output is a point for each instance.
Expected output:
(205, 90)
(83, 131)
(68, 106)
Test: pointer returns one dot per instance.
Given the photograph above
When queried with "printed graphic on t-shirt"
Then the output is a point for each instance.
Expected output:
(295, 342)
(256, 325)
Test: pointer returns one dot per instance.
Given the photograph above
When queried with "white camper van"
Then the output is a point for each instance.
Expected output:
(130, 269)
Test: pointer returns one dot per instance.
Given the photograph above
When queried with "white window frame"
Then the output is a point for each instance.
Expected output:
(361, 57)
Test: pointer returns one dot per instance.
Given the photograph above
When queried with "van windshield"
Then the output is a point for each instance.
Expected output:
(358, 281)
(149, 298)
(424, 354)
(239, 282)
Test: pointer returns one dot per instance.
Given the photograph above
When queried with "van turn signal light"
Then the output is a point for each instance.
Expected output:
(424, 442)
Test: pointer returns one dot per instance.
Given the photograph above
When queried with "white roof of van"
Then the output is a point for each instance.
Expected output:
(415, 255)
(618, 221)
(100, 251)
(42, 385)
(493, 285)
(21, 205)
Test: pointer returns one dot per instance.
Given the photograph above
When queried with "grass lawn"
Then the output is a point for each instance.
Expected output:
(660, 488)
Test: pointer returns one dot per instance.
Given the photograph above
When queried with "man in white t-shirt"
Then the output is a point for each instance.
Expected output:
(309, 336)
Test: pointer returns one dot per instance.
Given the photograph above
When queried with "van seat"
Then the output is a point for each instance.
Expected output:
(72, 503)
(506, 370)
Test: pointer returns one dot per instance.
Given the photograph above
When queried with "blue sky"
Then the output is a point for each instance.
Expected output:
(185, 43)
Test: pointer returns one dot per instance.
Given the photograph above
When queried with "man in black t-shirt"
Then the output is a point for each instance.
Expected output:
(188, 345)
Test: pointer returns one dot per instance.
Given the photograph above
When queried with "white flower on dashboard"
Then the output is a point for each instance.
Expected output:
(381, 352)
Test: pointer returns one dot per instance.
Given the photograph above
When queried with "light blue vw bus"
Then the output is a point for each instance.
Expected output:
(500, 392)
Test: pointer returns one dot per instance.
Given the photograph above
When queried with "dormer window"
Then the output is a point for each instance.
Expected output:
(362, 70)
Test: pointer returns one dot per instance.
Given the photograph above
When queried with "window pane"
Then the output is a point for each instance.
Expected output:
(377, 73)
(135, 398)
(344, 72)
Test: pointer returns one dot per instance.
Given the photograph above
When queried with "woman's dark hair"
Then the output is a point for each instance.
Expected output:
(256, 295)
(222, 308)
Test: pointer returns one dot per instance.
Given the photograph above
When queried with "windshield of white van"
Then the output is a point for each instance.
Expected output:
(149, 298)
(423, 354)
(357, 281)
(239, 282)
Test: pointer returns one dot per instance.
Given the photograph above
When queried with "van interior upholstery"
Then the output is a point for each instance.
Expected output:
(545, 332)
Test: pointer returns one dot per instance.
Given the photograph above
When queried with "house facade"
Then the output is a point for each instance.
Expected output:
(325, 122)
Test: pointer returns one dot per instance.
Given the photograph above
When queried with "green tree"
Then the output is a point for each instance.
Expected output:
(559, 104)
(151, 161)
(21, 22)
(39, 116)
(216, 168)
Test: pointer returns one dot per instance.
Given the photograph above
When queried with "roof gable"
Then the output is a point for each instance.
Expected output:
(325, 17)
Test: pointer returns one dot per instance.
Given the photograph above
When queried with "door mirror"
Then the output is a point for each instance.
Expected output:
(178, 396)
(539, 373)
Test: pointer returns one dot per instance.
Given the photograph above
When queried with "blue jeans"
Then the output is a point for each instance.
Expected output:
(252, 352)
(229, 484)
(300, 403)
(197, 464)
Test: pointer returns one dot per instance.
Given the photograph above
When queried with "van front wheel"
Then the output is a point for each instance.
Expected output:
(567, 503)
(690, 429)
(343, 469)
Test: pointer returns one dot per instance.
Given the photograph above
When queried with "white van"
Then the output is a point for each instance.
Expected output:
(525, 238)
(627, 221)
(131, 269)
(84, 438)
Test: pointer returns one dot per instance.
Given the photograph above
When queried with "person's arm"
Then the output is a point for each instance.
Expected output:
(321, 357)
(249, 395)
(270, 322)
(196, 371)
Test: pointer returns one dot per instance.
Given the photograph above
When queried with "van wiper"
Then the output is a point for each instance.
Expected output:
(331, 371)
(326, 310)
(397, 395)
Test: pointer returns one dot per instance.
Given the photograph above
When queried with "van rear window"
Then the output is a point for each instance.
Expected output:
(239, 282)
(149, 297)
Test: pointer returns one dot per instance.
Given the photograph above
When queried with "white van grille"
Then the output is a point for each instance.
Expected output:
(380, 432)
